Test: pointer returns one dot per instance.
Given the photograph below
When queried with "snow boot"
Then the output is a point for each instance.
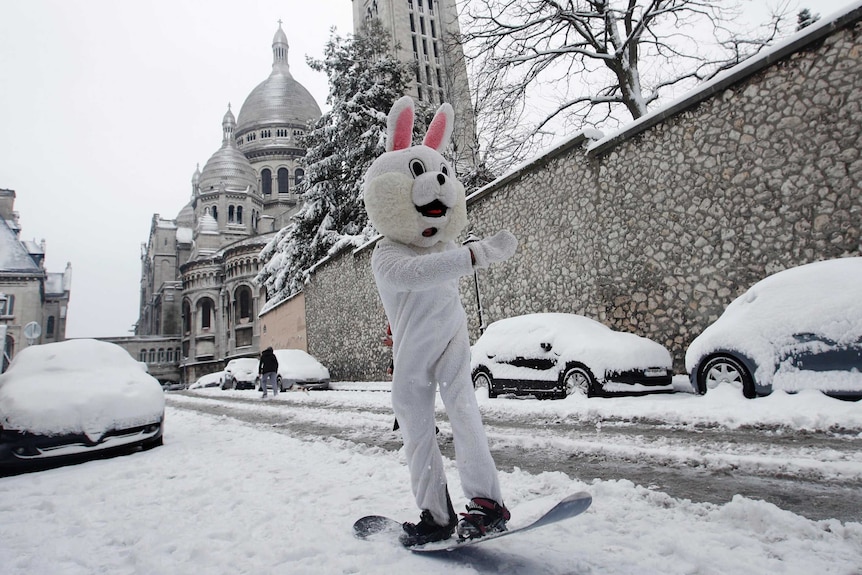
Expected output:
(483, 516)
(428, 530)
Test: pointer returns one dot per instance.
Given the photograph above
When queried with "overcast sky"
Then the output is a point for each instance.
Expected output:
(109, 105)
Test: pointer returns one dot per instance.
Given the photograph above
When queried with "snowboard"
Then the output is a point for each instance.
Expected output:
(571, 506)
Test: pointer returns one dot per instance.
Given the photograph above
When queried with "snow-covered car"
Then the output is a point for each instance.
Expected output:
(558, 354)
(240, 373)
(296, 367)
(173, 385)
(208, 380)
(800, 328)
(69, 400)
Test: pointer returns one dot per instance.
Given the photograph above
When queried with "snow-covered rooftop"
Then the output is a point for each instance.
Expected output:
(13, 255)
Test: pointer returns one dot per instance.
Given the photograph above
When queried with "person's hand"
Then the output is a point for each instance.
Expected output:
(499, 247)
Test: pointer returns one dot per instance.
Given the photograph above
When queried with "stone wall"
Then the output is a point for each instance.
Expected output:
(656, 229)
(345, 321)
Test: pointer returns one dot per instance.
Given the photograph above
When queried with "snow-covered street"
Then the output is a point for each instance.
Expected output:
(227, 495)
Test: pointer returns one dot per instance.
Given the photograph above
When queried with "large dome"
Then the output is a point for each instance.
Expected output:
(228, 165)
(278, 100)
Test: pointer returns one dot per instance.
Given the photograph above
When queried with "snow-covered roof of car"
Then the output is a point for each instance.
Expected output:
(78, 386)
(570, 336)
(822, 298)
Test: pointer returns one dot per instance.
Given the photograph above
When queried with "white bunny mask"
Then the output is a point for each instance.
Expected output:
(410, 192)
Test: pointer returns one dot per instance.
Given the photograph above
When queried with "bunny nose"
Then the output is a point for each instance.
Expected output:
(441, 179)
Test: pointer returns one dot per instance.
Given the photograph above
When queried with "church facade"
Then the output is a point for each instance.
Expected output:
(198, 300)
(199, 304)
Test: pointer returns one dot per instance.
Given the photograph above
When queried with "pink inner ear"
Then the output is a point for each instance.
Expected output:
(436, 131)
(403, 136)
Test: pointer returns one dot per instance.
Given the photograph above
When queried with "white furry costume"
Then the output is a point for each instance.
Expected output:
(414, 200)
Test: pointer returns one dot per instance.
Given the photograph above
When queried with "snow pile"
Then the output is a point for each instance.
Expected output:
(77, 386)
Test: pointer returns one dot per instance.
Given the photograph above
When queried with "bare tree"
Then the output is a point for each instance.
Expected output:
(573, 64)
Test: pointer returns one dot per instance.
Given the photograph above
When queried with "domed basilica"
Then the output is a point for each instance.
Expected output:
(199, 303)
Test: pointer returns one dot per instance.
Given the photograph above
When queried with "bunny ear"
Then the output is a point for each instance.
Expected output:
(399, 125)
(441, 128)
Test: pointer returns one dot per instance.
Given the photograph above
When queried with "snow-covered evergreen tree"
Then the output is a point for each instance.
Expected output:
(364, 81)
(805, 18)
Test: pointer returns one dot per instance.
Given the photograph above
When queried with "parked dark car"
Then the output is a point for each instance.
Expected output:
(800, 328)
(68, 401)
(554, 355)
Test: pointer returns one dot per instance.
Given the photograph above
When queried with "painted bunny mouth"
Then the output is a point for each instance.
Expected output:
(435, 209)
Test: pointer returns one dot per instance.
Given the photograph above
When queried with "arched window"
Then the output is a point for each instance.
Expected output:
(142, 356)
(161, 355)
(266, 181)
(205, 310)
(230, 213)
(243, 304)
(239, 214)
(170, 355)
(298, 176)
(152, 358)
(283, 187)
(50, 326)
(187, 317)
(215, 213)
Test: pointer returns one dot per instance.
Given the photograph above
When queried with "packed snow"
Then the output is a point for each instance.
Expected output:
(222, 496)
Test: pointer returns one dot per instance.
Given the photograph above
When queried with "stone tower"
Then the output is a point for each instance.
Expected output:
(424, 32)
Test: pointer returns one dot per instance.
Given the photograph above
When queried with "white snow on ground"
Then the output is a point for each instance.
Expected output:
(228, 497)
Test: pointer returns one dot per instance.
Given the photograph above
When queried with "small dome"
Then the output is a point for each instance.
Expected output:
(279, 99)
(228, 166)
(186, 217)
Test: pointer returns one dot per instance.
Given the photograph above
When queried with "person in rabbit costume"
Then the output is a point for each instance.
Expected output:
(414, 200)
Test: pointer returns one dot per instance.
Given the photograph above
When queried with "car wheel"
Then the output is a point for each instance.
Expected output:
(234, 383)
(577, 378)
(725, 369)
(482, 378)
